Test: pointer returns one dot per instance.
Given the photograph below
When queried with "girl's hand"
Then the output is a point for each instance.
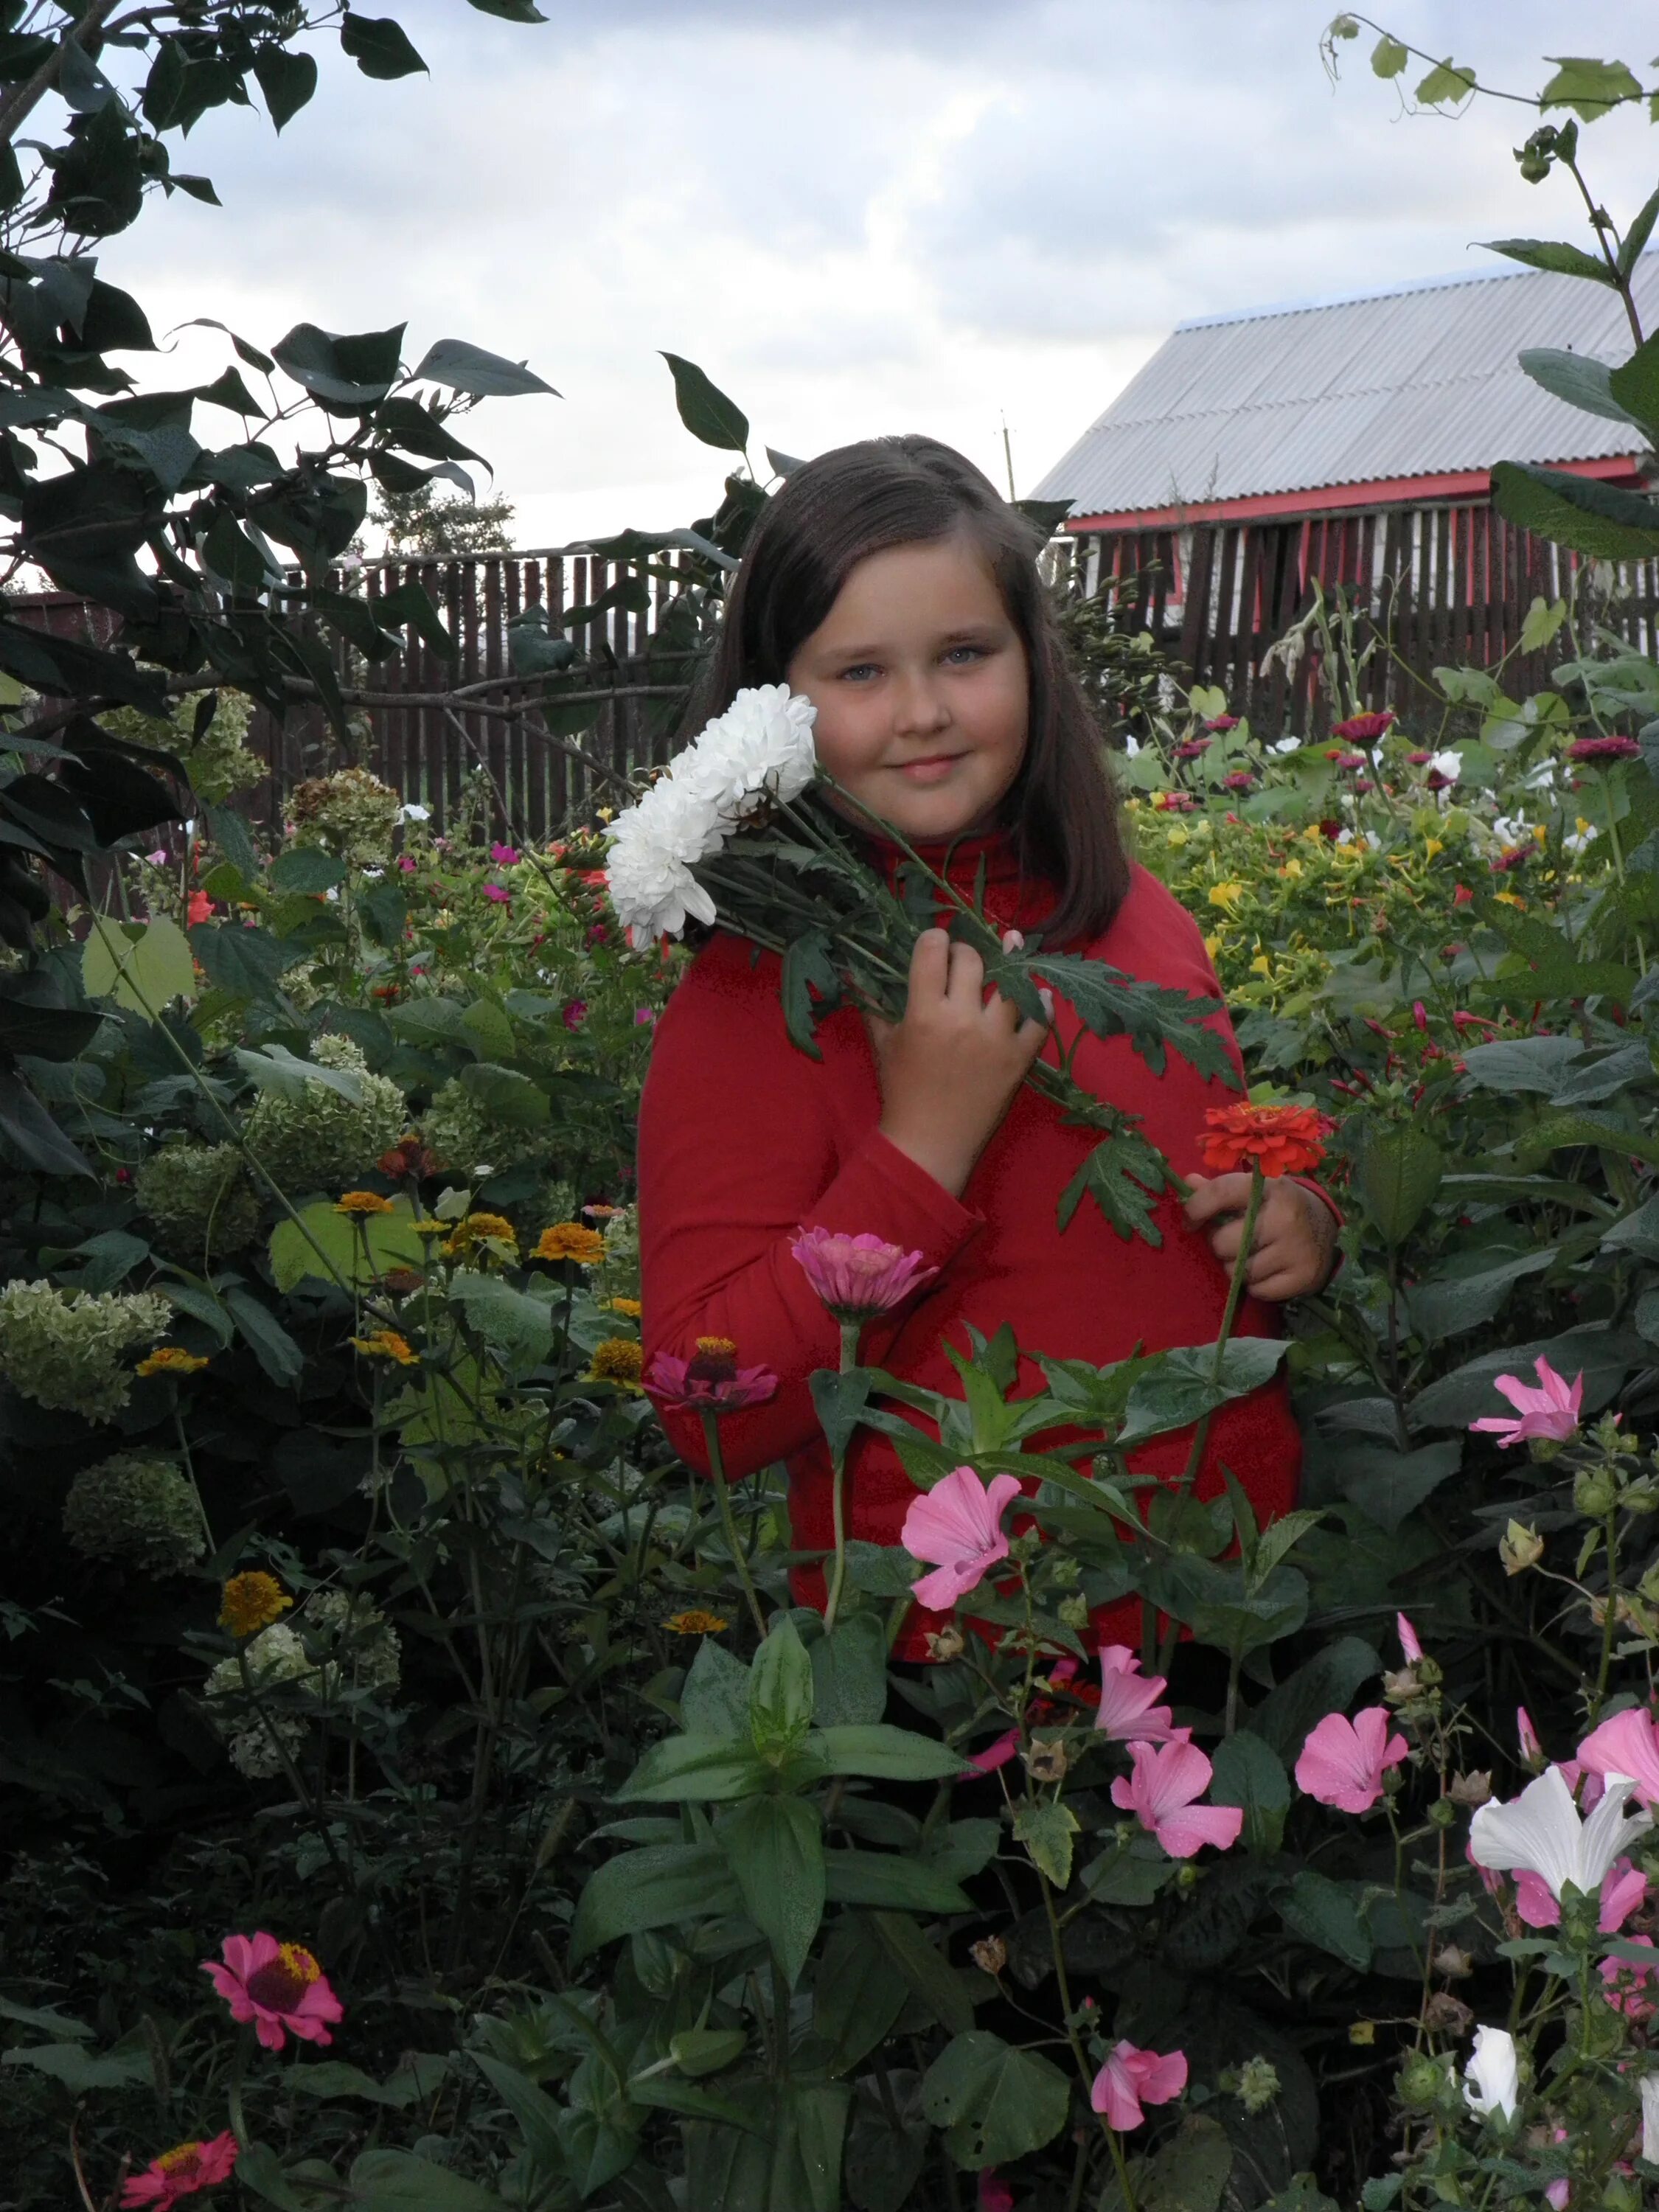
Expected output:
(950, 1066)
(1295, 1242)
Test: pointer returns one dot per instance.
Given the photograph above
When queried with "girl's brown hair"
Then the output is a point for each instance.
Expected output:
(835, 512)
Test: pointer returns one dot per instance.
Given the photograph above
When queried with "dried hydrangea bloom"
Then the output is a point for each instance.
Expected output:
(462, 1134)
(69, 1350)
(198, 1200)
(322, 1139)
(138, 1508)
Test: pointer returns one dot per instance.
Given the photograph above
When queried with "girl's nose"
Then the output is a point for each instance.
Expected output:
(919, 708)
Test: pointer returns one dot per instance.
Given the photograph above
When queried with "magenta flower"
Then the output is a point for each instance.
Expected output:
(181, 2172)
(1532, 1751)
(1343, 1761)
(505, 856)
(1132, 2078)
(278, 1986)
(574, 1013)
(1602, 749)
(406, 862)
(996, 1754)
(1624, 1888)
(711, 1381)
(1128, 1711)
(1628, 1987)
(1551, 1411)
(1222, 722)
(957, 1526)
(644, 1016)
(858, 1277)
(1363, 729)
(1408, 1643)
(994, 2194)
(1160, 1793)
(1191, 749)
(498, 893)
(1627, 1744)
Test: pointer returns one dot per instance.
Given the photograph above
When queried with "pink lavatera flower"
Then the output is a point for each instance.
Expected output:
(1409, 1644)
(1161, 1791)
(181, 2172)
(1532, 1749)
(994, 2194)
(997, 1753)
(1131, 2078)
(1623, 1890)
(1550, 1411)
(1343, 1761)
(956, 1527)
(1128, 1711)
(859, 1277)
(278, 1986)
(1627, 1744)
(1630, 1989)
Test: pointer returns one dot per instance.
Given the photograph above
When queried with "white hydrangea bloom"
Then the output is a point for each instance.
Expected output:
(761, 749)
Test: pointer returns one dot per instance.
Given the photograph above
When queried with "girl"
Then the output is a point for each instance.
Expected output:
(891, 584)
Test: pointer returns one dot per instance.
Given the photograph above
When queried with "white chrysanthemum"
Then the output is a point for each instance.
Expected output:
(761, 749)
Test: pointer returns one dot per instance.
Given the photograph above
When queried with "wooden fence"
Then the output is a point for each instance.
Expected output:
(1441, 585)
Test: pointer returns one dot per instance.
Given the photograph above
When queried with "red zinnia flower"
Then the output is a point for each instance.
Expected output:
(1462, 896)
(1364, 729)
(1349, 761)
(710, 1380)
(1283, 1139)
(1240, 780)
(1419, 759)
(1222, 722)
(1174, 802)
(1602, 749)
(1192, 748)
(278, 1986)
(181, 2172)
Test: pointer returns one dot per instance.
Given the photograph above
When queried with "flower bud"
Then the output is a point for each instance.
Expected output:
(1074, 1611)
(1595, 1492)
(989, 1954)
(1188, 1877)
(948, 1644)
(1520, 1548)
(1421, 2080)
(1066, 1569)
(1442, 1813)
(1046, 1760)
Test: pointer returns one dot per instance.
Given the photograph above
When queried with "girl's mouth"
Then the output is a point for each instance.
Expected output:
(934, 769)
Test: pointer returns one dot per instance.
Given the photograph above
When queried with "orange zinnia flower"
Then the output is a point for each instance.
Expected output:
(1281, 1140)
(570, 1240)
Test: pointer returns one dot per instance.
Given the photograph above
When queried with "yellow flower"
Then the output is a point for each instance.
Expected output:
(1432, 846)
(1291, 868)
(387, 1344)
(1226, 896)
(362, 1201)
(1261, 965)
(717, 1348)
(1212, 947)
(252, 1602)
(571, 1240)
(171, 1359)
(493, 1230)
(430, 1227)
(618, 1359)
(629, 1308)
(1176, 836)
(1541, 834)
(605, 813)
(1361, 2032)
(1507, 898)
(695, 1622)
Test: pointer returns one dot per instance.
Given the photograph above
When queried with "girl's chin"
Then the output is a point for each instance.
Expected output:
(929, 819)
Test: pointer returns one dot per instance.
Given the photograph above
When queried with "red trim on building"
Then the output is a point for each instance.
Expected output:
(1328, 499)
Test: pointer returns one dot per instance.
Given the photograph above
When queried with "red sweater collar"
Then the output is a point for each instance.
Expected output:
(1014, 896)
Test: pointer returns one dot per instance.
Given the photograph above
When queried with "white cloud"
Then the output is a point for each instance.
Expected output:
(857, 217)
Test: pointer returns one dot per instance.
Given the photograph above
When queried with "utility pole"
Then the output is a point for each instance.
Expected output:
(1008, 458)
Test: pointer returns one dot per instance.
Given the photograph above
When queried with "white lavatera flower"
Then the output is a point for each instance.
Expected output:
(1492, 2080)
(1541, 1832)
(1286, 745)
(1449, 764)
(1650, 2118)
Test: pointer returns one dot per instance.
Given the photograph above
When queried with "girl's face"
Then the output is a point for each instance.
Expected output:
(920, 679)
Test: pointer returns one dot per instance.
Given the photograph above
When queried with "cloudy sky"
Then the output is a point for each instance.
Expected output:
(858, 215)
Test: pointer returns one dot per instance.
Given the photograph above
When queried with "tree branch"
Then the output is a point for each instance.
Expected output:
(33, 89)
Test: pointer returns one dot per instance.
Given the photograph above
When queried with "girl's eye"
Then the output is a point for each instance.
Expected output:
(961, 653)
(859, 673)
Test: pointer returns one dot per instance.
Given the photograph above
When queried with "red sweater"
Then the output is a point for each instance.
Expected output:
(744, 1139)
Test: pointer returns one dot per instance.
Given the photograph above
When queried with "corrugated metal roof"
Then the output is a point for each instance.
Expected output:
(1421, 380)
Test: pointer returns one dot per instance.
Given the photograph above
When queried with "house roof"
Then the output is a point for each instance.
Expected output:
(1419, 382)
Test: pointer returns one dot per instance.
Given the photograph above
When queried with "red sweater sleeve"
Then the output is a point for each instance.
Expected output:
(738, 1151)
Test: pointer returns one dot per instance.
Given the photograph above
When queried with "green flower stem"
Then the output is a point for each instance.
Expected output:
(728, 1519)
(1610, 1621)
(1201, 1433)
(850, 1332)
(1619, 861)
(1057, 1949)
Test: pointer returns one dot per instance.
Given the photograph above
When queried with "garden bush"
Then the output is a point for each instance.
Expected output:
(421, 1792)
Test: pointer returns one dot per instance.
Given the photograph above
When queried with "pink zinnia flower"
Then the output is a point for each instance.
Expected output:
(1627, 1744)
(957, 1526)
(1129, 1711)
(181, 2172)
(1408, 1643)
(406, 862)
(1192, 748)
(1363, 729)
(710, 1380)
(1223, 722)
(1132, 2078)
(644, 1016)
(1343, 1761)
(498, 893)
(858, 1277)
(505, 856)
(1160, 1793)
(1624, 1888)
(1552, 1410)
(574, 1013)
(1602, 749)
(278, 1986)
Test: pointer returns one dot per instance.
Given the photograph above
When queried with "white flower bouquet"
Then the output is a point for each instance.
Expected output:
(732, 832)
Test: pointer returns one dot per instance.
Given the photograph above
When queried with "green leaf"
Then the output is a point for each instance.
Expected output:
(259, 2168)
(1249, 1773)
(1446, 82)
(700, 2050)
(537, 2114)
(1325, 1914)
(507, 1095)
(333, 1247)
(276, 1068)
(849, 1672)
(143, 966)
(463, 368)
(858, 1993)
(1553, 254)
(660, 1886)
(811, 987)
(888, 1883)
(688, 1769)
(244, 962)
(780, 1687)
(995, 2103)
(1635, 384)
(1179, 1388)
(1579, 378)
(1579, 512)
(518, 1328)
(1047, 1829)
(307, 868)
(705, 411)
(351, 372)
(1544, 618)
(1188, 2173)
(1588, 88)
(1448, 1305)
(287, 80)
(884, 1752)
(775, 1848)
(1124, 1178)
(1637, 237)
(715, 1702)
(932, 1982)
(1386, 1486)
(81, 2070)
(333, 2077)
(272, 1346)
(379, 46)
(839, 1398)
(1397, 1175)
(398, 2181)
(1388, 57)
(511, 11)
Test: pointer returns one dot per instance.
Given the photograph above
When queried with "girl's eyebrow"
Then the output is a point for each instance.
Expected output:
(970, 634)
